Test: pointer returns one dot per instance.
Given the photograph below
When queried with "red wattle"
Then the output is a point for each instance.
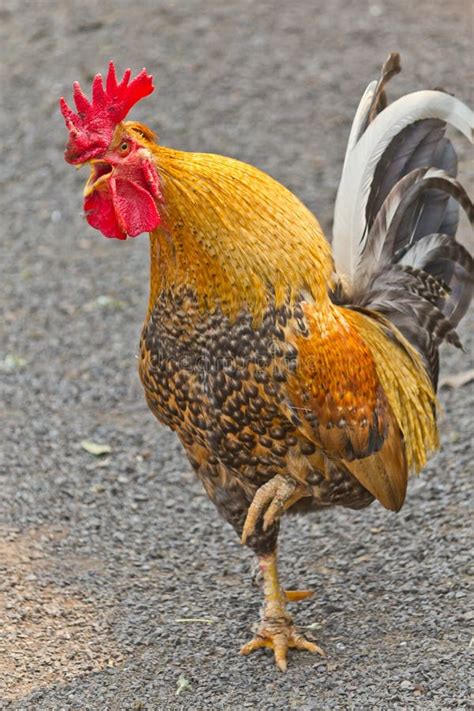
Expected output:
(100, 214)
(134, 207)
(125, 203)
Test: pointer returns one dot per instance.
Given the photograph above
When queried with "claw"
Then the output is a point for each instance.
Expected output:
(277, 494)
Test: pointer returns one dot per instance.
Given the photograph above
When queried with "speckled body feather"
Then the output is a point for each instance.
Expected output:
(222, 385)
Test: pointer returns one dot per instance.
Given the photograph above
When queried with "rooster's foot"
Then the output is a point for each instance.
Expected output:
(277, 494)
(280, 634)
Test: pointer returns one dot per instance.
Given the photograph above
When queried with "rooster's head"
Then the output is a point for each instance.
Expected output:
(122, 195)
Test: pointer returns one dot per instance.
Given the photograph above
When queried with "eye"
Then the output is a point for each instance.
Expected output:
(124, 146)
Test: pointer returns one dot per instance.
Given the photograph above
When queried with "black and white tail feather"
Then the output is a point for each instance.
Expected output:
(396, 216)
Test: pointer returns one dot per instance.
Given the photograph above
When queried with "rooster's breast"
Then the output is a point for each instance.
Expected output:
(221, 385)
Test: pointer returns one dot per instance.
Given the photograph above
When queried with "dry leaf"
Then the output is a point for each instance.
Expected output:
(95, 448)
(312, 626)
(196, 619)
(457, 380)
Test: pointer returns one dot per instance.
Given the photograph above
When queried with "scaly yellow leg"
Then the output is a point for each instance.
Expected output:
(277, 630)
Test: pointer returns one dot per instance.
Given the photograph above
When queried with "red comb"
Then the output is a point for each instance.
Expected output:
(92, 127)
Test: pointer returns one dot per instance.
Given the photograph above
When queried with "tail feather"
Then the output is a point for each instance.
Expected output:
(374, 100)
(415, 217)
(440, 256)
(366, 149)
(408, 214)
(450, 221)
(431, 289)
(397, 213)
(418, 145)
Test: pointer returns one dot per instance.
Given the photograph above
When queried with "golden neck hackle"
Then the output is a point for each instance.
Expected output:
(234, 235)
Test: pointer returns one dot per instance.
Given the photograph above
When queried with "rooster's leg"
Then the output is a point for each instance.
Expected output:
(290, 595)
(277, 630)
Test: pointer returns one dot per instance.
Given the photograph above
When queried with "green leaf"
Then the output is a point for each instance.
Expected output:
(312, 626)
(182, 684)
(95, 448)
(11, 362)
(109, 302)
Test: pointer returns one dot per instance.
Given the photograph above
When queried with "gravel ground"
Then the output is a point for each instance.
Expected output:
(104, 555)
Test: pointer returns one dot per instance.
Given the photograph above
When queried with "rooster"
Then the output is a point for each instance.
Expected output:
(296, 376)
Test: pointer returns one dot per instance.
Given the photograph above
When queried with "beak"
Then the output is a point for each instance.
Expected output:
(100, 174)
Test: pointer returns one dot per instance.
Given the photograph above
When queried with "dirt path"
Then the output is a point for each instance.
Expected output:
(103, 556)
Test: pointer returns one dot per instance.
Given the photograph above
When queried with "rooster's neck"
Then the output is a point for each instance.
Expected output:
(234, 236)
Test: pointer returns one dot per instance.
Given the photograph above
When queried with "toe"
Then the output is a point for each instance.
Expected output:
(256, 643)
(280, 648)
(302, 643)
(273, 512)
(261, 499)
